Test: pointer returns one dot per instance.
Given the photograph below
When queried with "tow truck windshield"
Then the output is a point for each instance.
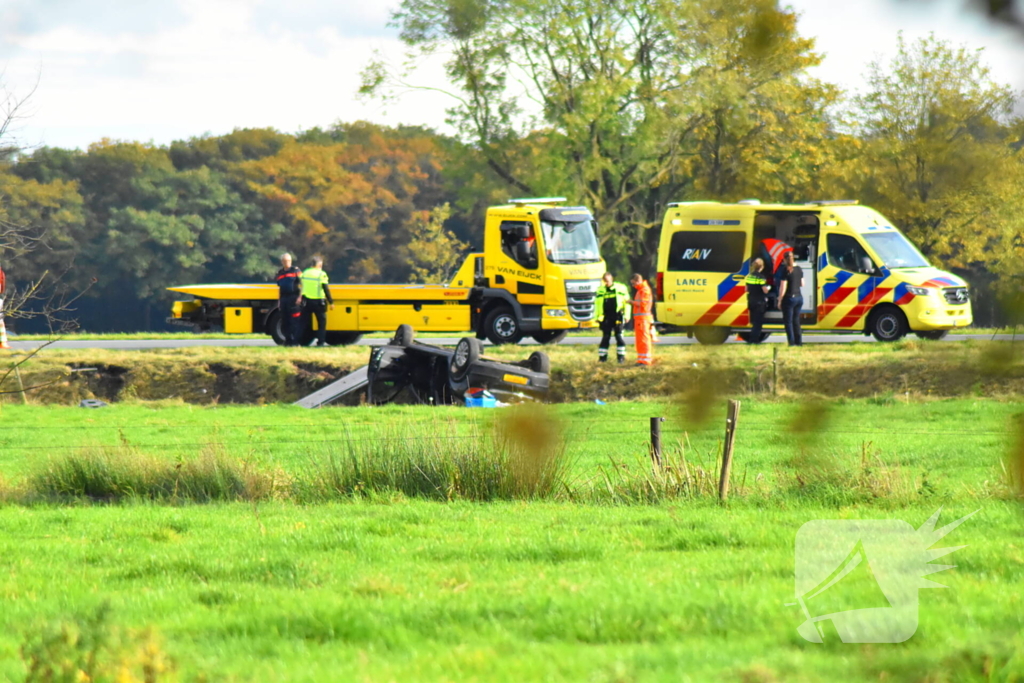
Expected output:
(895, 250)
(570, 242)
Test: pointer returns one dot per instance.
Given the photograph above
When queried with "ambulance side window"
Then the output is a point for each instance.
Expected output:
(707, 252)
(847, 253)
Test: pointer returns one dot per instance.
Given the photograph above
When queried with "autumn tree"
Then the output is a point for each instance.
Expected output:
(624, 105)
(942, 157)
(354, 202)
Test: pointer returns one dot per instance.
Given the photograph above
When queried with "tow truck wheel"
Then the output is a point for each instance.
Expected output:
(502, 327)
(403, 335)
(467, 352)
(934, 335)
(273, 326)
(539, 362)
(549, 336)
(888, 324)
(711, 336)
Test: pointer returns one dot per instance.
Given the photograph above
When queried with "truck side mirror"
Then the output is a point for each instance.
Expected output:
(867, 265)
(518, 231)
(525, 254)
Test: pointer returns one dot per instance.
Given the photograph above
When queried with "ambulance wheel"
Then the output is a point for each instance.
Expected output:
(274, 328)
(502, 327)
(467, 352)
(888, 324)
(934, 335)
(343, 338)
(403, 336)
(711, 336)
(539, 362)
(549, 336)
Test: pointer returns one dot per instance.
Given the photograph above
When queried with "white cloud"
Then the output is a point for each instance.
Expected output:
(139, 69)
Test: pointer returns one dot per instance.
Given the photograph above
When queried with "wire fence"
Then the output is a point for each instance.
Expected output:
(240, 436)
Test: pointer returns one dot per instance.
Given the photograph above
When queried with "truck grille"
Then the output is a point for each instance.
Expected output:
(956, 295)
(580, 295)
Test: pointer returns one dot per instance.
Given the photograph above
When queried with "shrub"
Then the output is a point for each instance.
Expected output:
(523, 457)
(110, 475)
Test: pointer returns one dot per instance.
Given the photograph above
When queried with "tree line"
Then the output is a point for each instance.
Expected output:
(621, 105)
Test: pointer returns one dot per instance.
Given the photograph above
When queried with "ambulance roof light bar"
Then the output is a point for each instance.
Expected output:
(538, 200)
(834, 202)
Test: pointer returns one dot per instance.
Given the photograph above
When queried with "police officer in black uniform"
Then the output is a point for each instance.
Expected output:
(289, 300)
(757, 299)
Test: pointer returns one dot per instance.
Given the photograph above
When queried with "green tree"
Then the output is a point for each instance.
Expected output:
(624, 105)
(435, 254)
(942, 157)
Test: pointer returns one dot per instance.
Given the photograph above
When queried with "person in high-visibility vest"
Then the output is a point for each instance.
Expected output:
(612, 313)
(643, 320)
(757, 298)
(314, 291)
(3, 327)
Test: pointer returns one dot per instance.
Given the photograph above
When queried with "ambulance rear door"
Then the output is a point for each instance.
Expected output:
(704, 272)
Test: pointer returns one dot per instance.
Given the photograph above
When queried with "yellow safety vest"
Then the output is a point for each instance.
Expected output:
(313, 281)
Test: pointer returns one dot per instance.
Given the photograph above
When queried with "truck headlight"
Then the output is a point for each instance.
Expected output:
(919, 291)
(556, 312)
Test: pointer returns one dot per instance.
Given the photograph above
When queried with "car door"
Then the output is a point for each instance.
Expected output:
(848, 282)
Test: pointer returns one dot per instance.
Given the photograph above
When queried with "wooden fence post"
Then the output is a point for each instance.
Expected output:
(775, 371)
(656, 441)
(730, 439)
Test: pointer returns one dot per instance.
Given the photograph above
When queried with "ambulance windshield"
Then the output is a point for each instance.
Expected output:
(574, 242)
(895, 250)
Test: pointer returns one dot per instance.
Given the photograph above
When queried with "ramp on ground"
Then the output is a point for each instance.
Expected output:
(353, 381)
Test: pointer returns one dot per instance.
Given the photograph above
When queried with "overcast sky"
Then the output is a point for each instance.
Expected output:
(160, 70)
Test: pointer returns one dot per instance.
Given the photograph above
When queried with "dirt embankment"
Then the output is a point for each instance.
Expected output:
(255, 376)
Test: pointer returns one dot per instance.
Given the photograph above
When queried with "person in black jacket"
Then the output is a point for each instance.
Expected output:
(757, 299)
(289, 300)
(791, 299)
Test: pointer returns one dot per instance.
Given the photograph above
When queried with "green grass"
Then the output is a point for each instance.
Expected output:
(392, 587)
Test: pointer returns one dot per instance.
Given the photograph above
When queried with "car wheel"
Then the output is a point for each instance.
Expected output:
(549, 336)
(343, 338)
(934, 335)
(539, 362)
(711, 336)
(888, 324)
(502, 326)
(403, 336)
(467, 352)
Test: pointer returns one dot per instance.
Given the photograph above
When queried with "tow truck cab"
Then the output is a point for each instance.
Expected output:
(861, 274)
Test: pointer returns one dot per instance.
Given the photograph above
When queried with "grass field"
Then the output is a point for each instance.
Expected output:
(389, 587)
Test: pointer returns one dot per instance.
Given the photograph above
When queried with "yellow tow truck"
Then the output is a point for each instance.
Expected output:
(537, 276)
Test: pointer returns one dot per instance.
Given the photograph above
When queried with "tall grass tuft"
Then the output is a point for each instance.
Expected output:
(833, 479)
(121, 473)
(643, 483)
(523, 457)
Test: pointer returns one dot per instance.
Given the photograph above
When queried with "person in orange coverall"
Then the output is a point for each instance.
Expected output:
(643, 320)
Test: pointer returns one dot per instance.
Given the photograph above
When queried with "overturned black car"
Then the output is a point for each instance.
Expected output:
(434, 375)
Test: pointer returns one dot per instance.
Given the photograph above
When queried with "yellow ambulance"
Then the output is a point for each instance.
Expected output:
(861, 274)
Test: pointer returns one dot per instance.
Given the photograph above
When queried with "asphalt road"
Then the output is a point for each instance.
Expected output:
(140, 344)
